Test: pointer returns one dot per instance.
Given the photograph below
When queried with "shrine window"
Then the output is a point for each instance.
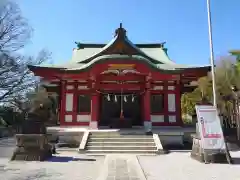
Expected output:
(84, 104)
(157, 103)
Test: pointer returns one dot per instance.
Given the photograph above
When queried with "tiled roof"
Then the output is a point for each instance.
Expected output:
(88, 54)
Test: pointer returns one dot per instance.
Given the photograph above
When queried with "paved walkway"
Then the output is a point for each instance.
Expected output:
(70, 165)
(179, 166)
(66, 165)
(121, 167)
(7, 146)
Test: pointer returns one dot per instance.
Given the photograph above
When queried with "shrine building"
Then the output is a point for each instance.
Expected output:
(119, 82)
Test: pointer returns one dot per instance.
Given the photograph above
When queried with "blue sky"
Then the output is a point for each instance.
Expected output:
(182, 24)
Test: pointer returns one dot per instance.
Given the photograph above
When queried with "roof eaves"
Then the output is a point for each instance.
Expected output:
(198, 67)
(181, 67)
(101, 51)
(123, 57)
(100, 45)
(33, 67)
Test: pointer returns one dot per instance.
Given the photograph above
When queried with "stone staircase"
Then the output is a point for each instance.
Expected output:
(101, 142)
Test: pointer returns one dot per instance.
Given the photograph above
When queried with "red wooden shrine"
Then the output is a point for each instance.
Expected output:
(103, 79)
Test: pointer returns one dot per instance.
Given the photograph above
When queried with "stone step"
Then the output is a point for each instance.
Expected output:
(114, 132)
(121, 148)
(113, 143)
(102, 142)
(153, 152)
(120, 139)
(118, 135)
(67, 149)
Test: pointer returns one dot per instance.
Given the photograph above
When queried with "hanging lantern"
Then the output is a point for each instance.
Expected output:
(108, 97)
(132, 98)
(115, 98)
(125, 98)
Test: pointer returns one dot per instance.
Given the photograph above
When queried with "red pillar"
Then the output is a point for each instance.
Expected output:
(94, 111)
(147, 110)
(178, 104)
(62, 103)
(165, 96)
(75, 102)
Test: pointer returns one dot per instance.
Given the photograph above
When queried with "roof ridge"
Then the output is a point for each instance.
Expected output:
(101, 45)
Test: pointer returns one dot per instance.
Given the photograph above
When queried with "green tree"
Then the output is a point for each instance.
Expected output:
(202, 91)
(226, 78)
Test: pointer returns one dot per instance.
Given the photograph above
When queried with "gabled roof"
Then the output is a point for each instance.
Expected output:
(157, 53)
(120, 47)
(120, 44)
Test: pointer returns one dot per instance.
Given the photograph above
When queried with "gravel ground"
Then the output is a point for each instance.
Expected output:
(179, 166)
(66, 165)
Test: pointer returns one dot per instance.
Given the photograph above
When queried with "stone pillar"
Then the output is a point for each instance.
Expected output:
(94, 111)
(147, 111)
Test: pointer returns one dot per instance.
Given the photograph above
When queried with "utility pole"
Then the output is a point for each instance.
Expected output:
(211, 54)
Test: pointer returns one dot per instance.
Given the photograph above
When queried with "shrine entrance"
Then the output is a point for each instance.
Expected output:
(112, 105)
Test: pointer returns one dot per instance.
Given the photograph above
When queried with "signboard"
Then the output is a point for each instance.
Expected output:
(210, 129)
(121, 66)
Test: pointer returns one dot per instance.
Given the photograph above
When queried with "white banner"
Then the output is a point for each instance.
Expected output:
(210, 128)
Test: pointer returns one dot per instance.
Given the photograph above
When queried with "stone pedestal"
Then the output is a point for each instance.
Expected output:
(93, 124)
(32, 141)
(148, 126)
(32, 147)
(211, 156)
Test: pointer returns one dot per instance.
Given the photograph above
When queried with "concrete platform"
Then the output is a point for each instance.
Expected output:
(166, 130)
(167, 135)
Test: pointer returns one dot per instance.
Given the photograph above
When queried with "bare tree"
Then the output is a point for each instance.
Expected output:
(14, 29)
(15, 78)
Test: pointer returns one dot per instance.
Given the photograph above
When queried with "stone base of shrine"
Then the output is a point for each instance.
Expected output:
(21, 154)
(210, 156)
(93, 125)
(73, 135)
(32, 147)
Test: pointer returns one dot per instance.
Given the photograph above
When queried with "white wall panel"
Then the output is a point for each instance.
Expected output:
(158, 88)
(171, 103)
(68, 118)
(69, 102)
(157, 118)
(172, 119)
(84, 118)
(69, 87)
(171, 87)
(82, 87)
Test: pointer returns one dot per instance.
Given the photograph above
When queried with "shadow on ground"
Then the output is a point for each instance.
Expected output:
(67, 159)
(186, 147)
(236, 160)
